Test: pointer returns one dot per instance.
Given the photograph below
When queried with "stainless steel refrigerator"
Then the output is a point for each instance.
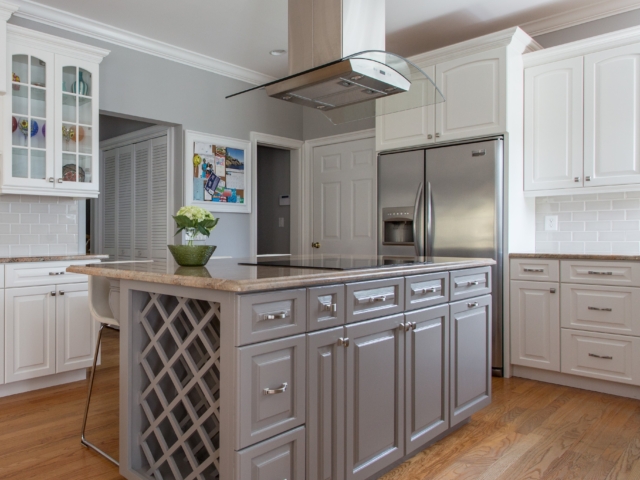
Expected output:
(446, 202)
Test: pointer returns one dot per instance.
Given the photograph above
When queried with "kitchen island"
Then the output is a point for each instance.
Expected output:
(257, 372)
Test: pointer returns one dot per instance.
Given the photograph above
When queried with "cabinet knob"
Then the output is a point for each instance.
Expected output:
(59, 180)
(576, 179)
(429, 136)
(343, 342)
(437, 135)
(51, 180)
(552, 290)
(53, 294)
(587, 178)
(61, 292)
(315, 244)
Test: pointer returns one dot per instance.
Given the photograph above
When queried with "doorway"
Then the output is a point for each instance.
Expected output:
(274, 201)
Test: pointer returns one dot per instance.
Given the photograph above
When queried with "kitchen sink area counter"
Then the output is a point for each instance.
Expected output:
(249, 372)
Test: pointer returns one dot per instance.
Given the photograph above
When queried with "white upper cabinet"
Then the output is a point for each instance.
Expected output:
(612, 116)
(553, 125)
(50, 116)
(474, 88)
(409, 127)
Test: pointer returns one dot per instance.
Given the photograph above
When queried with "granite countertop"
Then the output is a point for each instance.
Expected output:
(51, 258)
(575, 256)
(227, 275)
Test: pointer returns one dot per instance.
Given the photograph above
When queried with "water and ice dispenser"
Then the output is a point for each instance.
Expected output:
(398, 226)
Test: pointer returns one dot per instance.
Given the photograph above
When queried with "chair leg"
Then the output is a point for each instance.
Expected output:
(83, 440)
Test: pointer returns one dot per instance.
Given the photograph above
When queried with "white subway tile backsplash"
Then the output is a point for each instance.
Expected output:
(590, 223)
(37, 225)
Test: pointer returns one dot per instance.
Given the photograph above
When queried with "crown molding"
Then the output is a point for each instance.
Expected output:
(578, 16)
(71, 22)
(514, 36)
(7, 9)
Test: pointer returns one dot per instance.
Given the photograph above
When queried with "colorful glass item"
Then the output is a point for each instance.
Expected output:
(77, 135)
(80, 87)
(16, 78)
(69, 173)
(34, 128)
(44, 129)
(14, 124)
(24, 127)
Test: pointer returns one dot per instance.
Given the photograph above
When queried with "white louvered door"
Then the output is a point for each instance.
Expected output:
(109, 201)
(141, 201)
(159, 172)
(125, 203)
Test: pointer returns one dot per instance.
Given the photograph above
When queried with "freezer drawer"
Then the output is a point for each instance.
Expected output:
(472, 282)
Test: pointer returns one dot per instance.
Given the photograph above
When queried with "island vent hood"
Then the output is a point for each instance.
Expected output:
(337, 63)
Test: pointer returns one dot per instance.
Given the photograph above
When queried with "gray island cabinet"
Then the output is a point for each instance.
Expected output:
(247, 373)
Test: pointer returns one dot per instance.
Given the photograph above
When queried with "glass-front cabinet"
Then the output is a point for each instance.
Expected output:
(51, 117)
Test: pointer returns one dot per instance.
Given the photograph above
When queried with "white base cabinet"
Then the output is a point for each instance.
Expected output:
(75, 336)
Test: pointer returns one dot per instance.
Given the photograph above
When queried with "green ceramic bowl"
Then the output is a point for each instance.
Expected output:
(195, 256)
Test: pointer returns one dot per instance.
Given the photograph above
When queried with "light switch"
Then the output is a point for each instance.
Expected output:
(281, 221)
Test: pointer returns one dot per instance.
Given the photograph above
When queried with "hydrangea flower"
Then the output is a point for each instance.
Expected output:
(195, 220)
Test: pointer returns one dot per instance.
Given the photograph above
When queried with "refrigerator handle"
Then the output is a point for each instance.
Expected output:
(429, 216)
(417, 234)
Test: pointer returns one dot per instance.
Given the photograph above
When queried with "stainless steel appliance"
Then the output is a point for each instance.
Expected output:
(446, 201)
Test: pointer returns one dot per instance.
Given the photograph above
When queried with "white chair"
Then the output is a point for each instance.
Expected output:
(99, 292)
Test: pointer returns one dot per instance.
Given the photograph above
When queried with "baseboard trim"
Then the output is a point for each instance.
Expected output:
(593, 384)
(42, 382)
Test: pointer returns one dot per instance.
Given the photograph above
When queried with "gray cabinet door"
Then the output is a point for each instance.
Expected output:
(470, 357)
(426, 376)
(375, 396)
(325, 405)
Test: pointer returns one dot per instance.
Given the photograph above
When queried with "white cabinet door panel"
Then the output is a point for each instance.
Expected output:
(474, 88)
(535, 325)
(30, 341)
(406, 128)
(2, 327)
(553, 152)
(612, 116)
(75, 329)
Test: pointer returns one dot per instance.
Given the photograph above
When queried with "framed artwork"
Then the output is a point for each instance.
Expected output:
(217, 172)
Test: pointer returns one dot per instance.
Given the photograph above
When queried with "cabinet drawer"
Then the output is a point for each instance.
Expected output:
(266, 316)
(377, 298)
(326, 307)
(600, 273)
(426, 290)
(470, 283)
(279, 458)
(601, 355)
(271, 390)
(535, 269)
(601, 308)
(47, 273)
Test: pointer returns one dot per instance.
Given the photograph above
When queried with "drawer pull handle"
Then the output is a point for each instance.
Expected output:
(534, 270)
(329, 307)
(377, 298)
(275, 391)
(604, 357)
(274, 316)
(472, 304)
(56, 273)
(343, 342)
(552, 290)
(598, 309)
(53, 294)
(413, 325)
(61, 292)
(593, 272)
(405, 327)
(425, 290)
(469, 284)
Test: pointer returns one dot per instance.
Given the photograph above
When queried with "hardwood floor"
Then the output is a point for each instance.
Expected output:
(532, 430)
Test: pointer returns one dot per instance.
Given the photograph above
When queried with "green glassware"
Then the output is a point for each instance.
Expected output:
(192, 256)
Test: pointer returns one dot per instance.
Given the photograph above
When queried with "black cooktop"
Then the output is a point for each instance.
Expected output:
(338, 262)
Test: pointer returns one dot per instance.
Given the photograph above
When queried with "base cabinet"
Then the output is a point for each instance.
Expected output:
(470, 357)
(426, 376)
(48, 330)
(535, 324)
(375, 396)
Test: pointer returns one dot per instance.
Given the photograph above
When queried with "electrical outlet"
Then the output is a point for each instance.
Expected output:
(551, 222)
(281, 221)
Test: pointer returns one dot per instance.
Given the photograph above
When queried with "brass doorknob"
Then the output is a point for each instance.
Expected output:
(315, 244)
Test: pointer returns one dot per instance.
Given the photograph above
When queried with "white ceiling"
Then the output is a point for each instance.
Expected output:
(242, 32)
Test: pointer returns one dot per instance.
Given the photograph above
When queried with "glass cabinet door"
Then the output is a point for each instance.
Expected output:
(29, 154)
(77, 116)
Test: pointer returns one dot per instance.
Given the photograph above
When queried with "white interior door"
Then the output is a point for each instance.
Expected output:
(344, 198)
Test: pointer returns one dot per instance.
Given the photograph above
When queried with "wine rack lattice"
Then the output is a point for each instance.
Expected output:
(180, 394)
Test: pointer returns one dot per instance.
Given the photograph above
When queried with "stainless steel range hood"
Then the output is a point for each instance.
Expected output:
(338, 65)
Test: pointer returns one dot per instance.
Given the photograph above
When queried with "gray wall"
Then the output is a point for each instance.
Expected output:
(148, 87)
(111, 127)
(590, 29)
(273, 180)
